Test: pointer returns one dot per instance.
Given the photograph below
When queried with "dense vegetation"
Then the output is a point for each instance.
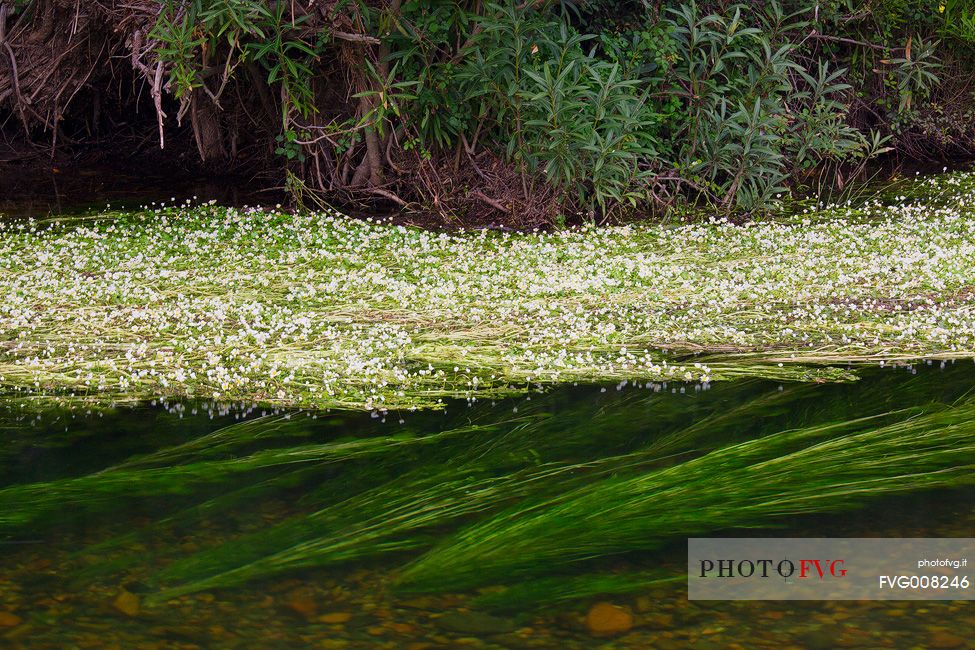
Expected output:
(484, 497)
(528, 112)
(319, 310)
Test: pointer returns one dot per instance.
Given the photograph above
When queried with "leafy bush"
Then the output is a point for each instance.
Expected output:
(194, 36)
(753, 114)
(554, 107)
(726, 104)
(468, 108)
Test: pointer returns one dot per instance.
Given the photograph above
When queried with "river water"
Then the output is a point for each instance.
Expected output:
(201, 525)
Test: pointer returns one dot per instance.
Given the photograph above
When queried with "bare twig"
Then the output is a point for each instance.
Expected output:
(355, 38)
(157, 101)
(21, 104)
(848, 41)
(494, 203)
(3, 21)
(388, 195)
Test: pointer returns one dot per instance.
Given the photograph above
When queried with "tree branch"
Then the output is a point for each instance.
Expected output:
(355, 38)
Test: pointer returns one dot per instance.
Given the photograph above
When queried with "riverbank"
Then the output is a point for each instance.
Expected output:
(318, 310)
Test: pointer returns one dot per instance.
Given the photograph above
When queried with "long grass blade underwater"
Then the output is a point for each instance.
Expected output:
(520, 499)
(427, 498)
(480, 478)
(745, 485)
(26, 504)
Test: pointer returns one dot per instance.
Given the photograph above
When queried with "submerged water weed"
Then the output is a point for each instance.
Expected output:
(318, 309)
(574, 475)
(823, 468)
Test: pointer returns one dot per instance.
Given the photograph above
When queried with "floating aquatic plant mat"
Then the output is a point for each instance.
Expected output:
(498, 496)
(316, 309)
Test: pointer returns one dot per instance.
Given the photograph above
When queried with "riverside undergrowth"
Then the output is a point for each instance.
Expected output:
(318, 310)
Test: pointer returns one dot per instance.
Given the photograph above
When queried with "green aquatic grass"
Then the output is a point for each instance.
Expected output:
(107, 557)
(229, 440)
(319, 310)
(750, 484)
(575, 475)
(479, 481)
(33, 503)
(473, 476)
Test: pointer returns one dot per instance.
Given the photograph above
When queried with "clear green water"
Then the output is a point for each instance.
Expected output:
(334, 530)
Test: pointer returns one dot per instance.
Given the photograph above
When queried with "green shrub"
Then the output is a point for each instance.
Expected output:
(609, 107)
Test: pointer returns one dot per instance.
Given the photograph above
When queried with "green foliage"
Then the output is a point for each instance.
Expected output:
(959, 21)
(424, 49)
(489, 497)
(196, 37)
(609, 107)
(389, 95)
(287, 59)
(586, 123)
(915, 74)
(723, 98)
(288, 146)
(753, 113)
